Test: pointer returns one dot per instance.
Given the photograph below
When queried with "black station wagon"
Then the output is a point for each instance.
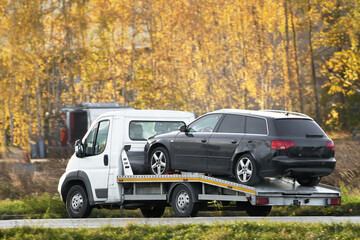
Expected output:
(249, 145)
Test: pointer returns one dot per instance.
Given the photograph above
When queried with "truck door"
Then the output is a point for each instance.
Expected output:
(96, 160)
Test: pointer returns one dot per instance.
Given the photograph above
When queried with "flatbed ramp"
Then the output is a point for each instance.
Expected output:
(272, 192)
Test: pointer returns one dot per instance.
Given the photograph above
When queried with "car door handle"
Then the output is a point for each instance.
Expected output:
(233, 141)
(203, 140)
(106, 160)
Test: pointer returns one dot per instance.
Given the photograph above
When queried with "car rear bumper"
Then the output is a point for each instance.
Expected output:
(285, 166)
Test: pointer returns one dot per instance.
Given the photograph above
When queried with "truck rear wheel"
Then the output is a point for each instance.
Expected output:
(183, 203)
(155, 211)
(77, 203)
(258, 211)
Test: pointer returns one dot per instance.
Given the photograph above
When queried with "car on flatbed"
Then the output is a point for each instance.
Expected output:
(248, 145)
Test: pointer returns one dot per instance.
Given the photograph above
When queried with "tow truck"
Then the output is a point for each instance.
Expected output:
(105, 171)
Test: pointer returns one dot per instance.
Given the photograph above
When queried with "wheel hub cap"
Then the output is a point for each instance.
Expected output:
(77, 202)
(158, 162)
(183, 201)
(244, 170)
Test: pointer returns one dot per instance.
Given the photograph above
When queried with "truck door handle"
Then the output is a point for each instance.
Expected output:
(233, 141)
(203, 140)
(106, 160)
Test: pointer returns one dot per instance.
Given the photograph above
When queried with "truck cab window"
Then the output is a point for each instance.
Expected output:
(95, 143)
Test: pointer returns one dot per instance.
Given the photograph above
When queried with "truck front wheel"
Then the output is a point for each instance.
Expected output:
(183, 203)
(77, 203)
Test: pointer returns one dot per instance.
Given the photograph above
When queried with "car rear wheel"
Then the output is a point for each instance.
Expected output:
(308, 181)
(246, 171)
(159, 161)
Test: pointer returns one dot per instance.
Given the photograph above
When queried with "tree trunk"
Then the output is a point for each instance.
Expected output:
(312, 65)
(297, 67)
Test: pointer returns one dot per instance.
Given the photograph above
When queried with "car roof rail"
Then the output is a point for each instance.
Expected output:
(285, 112)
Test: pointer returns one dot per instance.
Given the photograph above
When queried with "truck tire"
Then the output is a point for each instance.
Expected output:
(258, 211)
(159, 161)
(155, 211)
(246, 170)
(77, 203)
(183, 203)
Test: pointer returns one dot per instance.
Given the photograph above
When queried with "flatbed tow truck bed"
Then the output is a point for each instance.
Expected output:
(271, 192)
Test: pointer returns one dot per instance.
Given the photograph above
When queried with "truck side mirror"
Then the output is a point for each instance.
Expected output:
(79, 148)
(183, 128)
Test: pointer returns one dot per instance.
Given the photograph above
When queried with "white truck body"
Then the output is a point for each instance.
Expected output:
(105, 178)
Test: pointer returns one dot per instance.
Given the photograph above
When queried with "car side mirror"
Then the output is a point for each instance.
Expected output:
(183, 128)
(79, 148)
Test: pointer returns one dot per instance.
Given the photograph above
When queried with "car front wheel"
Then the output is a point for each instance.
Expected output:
(159, 161)
(245, 170)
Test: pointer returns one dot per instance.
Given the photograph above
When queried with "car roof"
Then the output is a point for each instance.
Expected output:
(277, 114)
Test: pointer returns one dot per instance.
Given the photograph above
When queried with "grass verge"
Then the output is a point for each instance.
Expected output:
(236, 230)
(50, 206)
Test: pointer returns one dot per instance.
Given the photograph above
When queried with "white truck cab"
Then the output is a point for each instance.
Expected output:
(93, 168)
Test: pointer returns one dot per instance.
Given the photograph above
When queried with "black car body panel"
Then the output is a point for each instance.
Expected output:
(214, 142)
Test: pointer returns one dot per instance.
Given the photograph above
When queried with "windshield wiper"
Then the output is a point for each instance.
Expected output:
(314, 135)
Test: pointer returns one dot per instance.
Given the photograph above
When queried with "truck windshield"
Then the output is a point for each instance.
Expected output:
(142, 130)
(297, 128)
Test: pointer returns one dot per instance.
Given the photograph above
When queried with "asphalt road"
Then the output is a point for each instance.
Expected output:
(121, 222)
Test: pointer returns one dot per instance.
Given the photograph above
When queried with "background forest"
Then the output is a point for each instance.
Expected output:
(194, 55)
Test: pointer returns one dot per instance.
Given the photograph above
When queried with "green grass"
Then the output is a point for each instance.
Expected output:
(50, 206)
(236, 230)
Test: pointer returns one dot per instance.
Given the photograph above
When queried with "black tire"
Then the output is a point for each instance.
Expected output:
(258, 211)
(159, 161)
(77, 203)
(155, 211)
(308, 181)
(183, 203)
(246, 171)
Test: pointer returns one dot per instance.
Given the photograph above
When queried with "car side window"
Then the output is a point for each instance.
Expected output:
(232, 124)
(256, 125)
(205, 124)
(95, 143)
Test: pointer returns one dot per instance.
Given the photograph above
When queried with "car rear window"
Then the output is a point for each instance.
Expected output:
(297, 128)
(256, 125)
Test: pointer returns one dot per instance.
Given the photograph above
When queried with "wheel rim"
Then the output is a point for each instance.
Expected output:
(158, 162)
(183, 200)
(77, 202)
(244, 170)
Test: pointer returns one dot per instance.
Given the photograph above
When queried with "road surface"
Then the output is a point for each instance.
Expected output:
(121, 222)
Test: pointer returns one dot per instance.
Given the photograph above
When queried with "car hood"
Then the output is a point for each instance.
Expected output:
(165, 135)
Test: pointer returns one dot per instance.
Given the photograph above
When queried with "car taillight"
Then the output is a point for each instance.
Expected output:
(330, 145)
(282, 144)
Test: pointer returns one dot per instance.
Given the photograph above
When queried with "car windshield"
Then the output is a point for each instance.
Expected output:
(298, 128)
